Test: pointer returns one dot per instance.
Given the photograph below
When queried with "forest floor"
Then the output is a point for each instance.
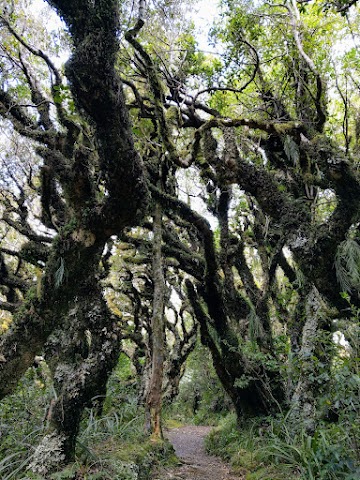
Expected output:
(196, 464)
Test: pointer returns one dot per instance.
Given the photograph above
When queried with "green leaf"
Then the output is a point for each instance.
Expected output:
(291, 150)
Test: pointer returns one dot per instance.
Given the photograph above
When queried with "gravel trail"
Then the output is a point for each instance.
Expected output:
(196, 464)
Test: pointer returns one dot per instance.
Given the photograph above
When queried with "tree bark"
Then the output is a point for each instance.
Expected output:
(253, 388)
(81, 357)
(97, 89)
(45, 310)
(154, 395)
(303, 399)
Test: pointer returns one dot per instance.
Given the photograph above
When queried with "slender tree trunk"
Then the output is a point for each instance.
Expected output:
(154, 396)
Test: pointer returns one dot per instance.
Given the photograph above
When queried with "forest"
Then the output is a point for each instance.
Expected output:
(179, 236)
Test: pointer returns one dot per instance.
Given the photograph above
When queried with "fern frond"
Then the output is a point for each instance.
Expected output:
(291, 150)
(255, 327)
(347, 265)
(60, 273)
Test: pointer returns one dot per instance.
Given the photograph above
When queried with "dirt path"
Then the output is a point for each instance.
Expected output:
(196, 464)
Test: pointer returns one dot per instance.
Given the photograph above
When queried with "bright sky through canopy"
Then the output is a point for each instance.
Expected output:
(205, 12)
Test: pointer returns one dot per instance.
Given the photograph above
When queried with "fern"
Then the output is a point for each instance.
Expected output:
(291, 150)
(255, 327)
(347, 265)
(60, 273)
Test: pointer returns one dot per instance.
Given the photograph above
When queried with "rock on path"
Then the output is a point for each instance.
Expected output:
(196, 464)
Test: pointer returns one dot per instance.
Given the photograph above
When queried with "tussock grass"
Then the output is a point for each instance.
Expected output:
(269, 449)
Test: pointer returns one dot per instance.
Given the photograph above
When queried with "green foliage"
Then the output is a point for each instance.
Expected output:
(111, 445)
(62, 96)
(198, 64)
(322, 455)
(241, 445)
(268, 449)
(347, 265)
(108, 445)
(122, 391)
(201, 399)
(115, 446)
(274, 447)
(21, 424)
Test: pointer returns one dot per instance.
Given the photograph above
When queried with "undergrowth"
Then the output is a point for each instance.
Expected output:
(267, 449)
(22, 424)
(110, 446)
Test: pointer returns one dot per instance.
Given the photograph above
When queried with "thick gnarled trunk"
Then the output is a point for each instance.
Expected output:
(253, 388)
(68, 304)
(81, 359)
(45, 308)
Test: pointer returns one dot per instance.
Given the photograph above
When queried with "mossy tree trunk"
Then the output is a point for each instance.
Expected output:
(84, 155)
(154, 393)
(72, 261)
(253, 388)
(83, 219)
(303, 401)
(81, 357)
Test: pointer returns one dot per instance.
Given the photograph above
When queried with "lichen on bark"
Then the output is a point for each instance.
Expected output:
(48, 455)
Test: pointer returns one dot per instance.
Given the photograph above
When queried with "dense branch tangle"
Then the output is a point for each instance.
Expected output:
(261, 160)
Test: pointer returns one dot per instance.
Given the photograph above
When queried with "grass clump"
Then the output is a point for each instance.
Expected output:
(119, 448)
(22, 424)
(269, 449)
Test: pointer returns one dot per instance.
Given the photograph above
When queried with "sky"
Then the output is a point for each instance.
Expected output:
(207, 10)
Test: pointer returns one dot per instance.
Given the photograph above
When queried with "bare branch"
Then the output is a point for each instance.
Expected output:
(247, 83)
(35, 51)
(9, 307)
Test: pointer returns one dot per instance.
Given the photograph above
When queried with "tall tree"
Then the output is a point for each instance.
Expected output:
(92, 186)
